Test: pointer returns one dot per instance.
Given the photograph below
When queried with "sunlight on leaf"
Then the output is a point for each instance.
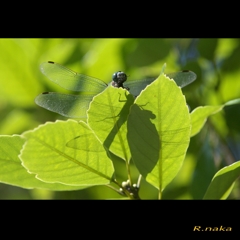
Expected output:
(46, 154)
(12, 172)
(223, 181)
(158, 131)
(107, 117)
(199, 117)
(200, 114)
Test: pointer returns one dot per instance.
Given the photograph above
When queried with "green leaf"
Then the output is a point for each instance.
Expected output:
(47, 154)
(223, 181)
(159, 131)
(13, 173)
(107, 117)
(199, 115)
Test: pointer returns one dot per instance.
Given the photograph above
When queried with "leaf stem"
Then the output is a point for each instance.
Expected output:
(116, 190)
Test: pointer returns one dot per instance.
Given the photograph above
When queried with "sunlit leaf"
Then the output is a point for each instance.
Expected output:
(199, 115)
(47, 154)
(159, 131)
(223, 181)
(107, 117)
(12, 172)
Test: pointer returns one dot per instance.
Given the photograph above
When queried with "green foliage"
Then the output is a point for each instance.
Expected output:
(71, 153)
(12, 171)
(223, 181)
(199, 115)
(159, 131)
(47, 155)
(107, 117)
(153, 131)
(60, 156)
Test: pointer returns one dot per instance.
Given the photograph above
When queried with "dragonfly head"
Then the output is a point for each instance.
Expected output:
(119, 78)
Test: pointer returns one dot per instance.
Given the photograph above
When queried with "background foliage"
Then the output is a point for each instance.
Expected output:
(215, 61)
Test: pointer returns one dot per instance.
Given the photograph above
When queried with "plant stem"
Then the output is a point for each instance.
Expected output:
(116, 190)
(159, 194)
(128, 172)
(139, 180)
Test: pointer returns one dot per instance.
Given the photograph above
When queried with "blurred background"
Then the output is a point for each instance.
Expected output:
(215, 61)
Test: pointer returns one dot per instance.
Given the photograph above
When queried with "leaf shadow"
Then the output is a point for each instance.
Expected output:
(143, 139)
(121, 118)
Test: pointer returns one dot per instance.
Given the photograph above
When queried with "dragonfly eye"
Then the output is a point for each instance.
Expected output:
(119, 77)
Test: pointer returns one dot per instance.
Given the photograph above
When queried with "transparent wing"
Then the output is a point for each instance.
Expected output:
(71, 80)
(135, 87)
(182, 79)
(72, 106)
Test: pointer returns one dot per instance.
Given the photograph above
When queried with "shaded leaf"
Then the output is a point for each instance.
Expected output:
(204, 170)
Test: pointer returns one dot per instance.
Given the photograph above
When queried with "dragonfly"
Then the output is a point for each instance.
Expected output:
(76, 106)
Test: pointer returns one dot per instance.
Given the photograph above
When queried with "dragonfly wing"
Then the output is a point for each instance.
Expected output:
(71, 80)
(135, 87)
(72, 106)
(183, 78)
